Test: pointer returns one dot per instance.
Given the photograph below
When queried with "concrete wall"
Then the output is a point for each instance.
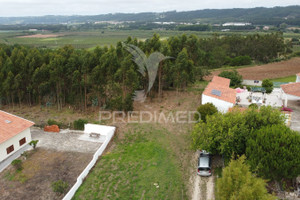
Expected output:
(14, 141)
(109, 131)
(251, 82)
(221, 105)
(298, 79)
(95, 128)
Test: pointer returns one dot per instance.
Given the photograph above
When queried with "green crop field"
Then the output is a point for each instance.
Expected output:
(285, 79)
(90, 39)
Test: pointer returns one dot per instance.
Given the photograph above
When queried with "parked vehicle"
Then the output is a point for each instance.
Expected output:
(204, 164)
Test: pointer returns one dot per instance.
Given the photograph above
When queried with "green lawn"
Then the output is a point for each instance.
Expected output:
(285, 79)
(141, 167)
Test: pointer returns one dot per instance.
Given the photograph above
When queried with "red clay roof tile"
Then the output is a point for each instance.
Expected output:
(11, 125)
(291, 89)
(221, 84)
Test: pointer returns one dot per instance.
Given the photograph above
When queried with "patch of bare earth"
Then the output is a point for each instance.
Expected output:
(40, 36)
(42, 168)
(271, 70)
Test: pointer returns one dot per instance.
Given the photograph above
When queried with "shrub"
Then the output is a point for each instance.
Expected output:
(227, 134)
(53, 122)
(59, 186)
(234, 76)
(204, 110)
(79, 124)
(253, 105)
(17, 164)
(33, 143)
(268, 85)
(274, 152)
(241, 60)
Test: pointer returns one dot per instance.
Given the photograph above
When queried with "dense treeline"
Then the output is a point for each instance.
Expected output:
(258, 16)
(107, 76)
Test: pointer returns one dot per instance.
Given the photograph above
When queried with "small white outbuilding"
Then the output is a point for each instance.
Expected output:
(219, 94)
(14, 134)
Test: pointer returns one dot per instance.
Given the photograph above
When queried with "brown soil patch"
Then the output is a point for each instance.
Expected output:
(271, 70)
(42, 168)
(40, 36)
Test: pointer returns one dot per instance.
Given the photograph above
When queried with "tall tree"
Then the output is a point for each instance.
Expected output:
(237, 182)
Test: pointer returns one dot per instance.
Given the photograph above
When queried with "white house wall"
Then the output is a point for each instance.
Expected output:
(298, 79)
(221, 105)
(14, 141)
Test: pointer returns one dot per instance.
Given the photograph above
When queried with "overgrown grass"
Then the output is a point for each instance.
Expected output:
(141, 167)
(285, 79)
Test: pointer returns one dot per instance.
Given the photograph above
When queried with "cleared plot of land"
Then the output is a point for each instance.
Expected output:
(271, 70)
(42, 168)
(39, 36)
(150, 160)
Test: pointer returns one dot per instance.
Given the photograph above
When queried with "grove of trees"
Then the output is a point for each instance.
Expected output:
(271, 148)
(107, 76)
(237, 182)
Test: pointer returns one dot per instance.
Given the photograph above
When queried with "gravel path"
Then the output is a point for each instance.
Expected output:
(64, 141)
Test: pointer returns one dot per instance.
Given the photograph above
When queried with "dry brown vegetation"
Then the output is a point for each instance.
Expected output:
(42, 168)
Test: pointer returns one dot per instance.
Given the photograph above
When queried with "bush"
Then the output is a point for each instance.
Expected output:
(241, 60)
(234, 76)
(79, 124)
(273, 151)
(53, 122)
(253, 105)
(59, 186)
(17, 164)
(227, 134)
(33, 143)
(268, 85)
(204, 110)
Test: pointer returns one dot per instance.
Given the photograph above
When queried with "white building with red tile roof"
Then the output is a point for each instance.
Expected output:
(14, 134)
(220, 94)
(291, 91)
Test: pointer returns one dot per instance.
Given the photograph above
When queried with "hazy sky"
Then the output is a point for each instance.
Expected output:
(92, 7)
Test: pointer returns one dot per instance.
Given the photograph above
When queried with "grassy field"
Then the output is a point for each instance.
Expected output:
(285, 79)
(140, 167)
(90, 39)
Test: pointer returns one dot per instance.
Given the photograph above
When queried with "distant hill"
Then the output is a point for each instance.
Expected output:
(258, 16)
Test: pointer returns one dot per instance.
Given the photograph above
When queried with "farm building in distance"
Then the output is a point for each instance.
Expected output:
(220, 94)
(14, 134)
(236, 24)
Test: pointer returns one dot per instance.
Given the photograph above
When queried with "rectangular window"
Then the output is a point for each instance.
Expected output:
(22, 141)
(10, 149)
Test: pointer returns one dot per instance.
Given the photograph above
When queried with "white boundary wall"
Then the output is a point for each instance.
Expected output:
(109, 132)
(252, 83)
